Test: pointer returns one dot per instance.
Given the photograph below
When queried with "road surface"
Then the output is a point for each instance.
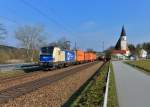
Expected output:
(133, 86)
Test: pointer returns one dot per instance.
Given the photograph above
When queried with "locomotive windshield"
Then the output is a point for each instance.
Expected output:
(47, 50)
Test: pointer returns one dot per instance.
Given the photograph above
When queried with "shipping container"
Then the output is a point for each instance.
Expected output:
(90, 56)
(86, 56)
(79, 55)
(69, 56)
(93, 56)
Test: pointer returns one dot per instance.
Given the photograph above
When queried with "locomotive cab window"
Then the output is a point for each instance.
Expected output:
(47, 50)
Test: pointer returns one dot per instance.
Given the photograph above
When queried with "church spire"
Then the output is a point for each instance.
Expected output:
(123, 32)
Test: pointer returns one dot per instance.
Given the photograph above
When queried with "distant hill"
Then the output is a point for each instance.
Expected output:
(11, 53)
(7, 47)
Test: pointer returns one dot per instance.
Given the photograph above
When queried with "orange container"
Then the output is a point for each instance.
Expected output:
(86, 56)
(79, 55)
(92, 56)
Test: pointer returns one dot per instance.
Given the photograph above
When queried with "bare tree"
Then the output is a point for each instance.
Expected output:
(31, 38)
(90, 50)
(63, 43)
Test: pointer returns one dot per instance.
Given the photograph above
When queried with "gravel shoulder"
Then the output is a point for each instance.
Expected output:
(55, 94)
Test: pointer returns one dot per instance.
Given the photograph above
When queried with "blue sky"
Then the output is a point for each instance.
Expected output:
(88, 22)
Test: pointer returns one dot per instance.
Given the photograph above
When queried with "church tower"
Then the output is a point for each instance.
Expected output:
(122, 42)
(121, 51)
(123, 39)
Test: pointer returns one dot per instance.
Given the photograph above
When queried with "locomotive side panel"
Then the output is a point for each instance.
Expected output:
(62, 56)
(58, 55)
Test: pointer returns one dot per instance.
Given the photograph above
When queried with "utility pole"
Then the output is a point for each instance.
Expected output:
(103, 46)
(75, 46)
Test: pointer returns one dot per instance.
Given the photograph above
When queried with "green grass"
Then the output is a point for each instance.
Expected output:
(93, 93)
(141, 64)
(10, 73)
(112, 93)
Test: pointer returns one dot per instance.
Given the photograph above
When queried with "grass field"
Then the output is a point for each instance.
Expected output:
(141, 64)
(112, 93)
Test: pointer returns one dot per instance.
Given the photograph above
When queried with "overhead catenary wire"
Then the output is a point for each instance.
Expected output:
(59, 17)
(10, 20)
(44, 14)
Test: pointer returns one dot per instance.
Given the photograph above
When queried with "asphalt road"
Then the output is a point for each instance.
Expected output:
(133, 86)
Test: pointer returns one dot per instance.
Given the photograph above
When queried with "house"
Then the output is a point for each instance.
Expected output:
(148, 55)
(143, 53)
(133, 57)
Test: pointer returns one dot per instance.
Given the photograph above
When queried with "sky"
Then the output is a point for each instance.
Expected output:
(89, 23)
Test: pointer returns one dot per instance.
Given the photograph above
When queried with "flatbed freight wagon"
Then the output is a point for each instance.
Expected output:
(52, 56)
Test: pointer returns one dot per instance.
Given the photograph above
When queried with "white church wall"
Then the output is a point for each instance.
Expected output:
(123, 45)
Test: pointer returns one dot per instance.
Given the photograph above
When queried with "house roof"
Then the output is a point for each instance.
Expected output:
(118, 52)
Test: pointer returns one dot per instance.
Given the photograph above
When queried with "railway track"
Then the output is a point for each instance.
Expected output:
(30, 67)
(19, 90)
(7, 79)
(27, 75)
(20, 79)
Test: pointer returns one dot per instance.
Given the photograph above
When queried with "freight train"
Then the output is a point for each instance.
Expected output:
(52, 56)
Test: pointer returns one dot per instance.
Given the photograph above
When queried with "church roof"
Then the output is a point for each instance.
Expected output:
(118, 45)
(123, 32)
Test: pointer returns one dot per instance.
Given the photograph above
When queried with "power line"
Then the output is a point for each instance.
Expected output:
(43, 14)
(58, 16)
(10, 20)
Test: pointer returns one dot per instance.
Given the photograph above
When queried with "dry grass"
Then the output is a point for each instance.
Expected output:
(10, 74)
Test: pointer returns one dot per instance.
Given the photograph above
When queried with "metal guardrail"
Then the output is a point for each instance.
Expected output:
(106, 90)
(11, 67)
